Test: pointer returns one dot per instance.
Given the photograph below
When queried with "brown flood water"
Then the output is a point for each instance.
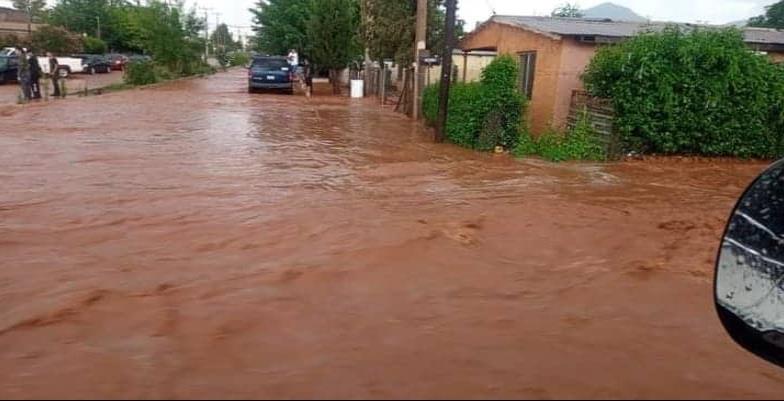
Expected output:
(196, 241)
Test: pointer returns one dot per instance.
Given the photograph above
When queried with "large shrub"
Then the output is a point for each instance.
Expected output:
(580, 142)
(699, 92)
(485, 114)
(56, 40)
(141, 73)
(95, 46)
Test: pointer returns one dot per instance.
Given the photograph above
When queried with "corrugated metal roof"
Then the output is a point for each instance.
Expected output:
(618, 29)
(762, 35)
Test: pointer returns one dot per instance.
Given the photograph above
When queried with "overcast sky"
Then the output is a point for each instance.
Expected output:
(235, 12)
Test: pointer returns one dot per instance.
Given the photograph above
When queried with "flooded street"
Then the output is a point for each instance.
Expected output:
(194, 241)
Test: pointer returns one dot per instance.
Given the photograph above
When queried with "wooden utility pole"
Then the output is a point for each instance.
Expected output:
(421, 45)
(446, 69)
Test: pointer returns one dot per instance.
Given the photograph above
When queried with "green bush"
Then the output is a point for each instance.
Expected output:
(95, 46)
(579, 143)
(239, 59)
(140, 73)
(484, 114)
(699, 92)
(56, 40)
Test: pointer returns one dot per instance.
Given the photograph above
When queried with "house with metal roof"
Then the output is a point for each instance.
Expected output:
(554, 52)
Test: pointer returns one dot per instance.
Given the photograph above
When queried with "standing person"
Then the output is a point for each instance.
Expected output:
(35, 76)
(53, 73)
(293, 59)
(307, 71)
(23, 74)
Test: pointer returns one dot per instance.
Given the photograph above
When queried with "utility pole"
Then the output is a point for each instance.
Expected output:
(98, 31)
(206, 32)
(446, 69)
(421, 45)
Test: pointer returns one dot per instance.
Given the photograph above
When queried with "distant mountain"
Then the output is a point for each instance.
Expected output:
(739, 24)
(614, 12)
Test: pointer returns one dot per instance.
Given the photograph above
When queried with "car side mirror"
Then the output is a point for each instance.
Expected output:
(749, 289)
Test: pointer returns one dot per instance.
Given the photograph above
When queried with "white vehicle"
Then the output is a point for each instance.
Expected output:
(66, 65)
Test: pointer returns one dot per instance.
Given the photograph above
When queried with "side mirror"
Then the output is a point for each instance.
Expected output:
(750, 269)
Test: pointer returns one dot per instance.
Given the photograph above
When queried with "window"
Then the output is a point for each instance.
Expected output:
(270, 64)
(527, 73)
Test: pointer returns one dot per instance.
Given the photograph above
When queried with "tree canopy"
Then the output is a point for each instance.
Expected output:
(333, 34)
(773, 17)
(568, 10)
(35, 9)
(280, 25)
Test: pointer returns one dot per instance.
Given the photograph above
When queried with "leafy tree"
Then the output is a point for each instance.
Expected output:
(99, 18)
(35, 9)
(333, 35)
(568, 10)
(168, 33)
(57, 40)
(388, 28)
(281, 25)
(773, 18)
(223, 40)
(94, 46)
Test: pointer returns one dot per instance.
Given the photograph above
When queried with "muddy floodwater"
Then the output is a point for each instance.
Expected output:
(196, 241)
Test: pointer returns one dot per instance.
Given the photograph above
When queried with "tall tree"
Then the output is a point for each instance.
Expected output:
(333, 35)
(223, 40)
(568, 10)
(104, 18)
(35, 9)
(773, 17)
(281, 25)
(388, 28)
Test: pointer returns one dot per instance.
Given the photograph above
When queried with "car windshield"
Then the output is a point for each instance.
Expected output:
(270, 65)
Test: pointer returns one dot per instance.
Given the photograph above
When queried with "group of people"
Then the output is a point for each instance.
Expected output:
(30, 73)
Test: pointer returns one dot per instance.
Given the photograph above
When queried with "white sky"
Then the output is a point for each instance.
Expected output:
(711, 11)
(235, 12)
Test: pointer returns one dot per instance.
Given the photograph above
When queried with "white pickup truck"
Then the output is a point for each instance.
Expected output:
(66, 65)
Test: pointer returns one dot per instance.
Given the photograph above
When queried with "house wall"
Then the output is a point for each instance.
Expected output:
(776, 57)
(511, 40)
(575, 57)
(469, 67)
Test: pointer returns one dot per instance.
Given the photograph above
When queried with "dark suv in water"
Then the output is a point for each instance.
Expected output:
(8, 68)
(270, 73)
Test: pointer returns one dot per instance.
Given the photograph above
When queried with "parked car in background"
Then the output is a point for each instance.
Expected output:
(137, 58)
(270, 73)
(66, 65)
(8, 69)
(118, 61)
(95, 63)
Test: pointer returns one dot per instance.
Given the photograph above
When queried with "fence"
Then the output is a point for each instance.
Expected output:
(600, 114)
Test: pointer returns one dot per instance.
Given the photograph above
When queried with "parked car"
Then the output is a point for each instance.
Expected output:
(66, 65)
(94, 63)
(8, 69)
(118, 61)
(137, 58)
(270, 73)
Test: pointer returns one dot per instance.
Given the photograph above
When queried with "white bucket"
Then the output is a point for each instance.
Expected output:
(357, 88)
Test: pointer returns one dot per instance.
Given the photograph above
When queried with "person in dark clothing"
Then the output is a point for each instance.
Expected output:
(23, 75)
(35, 76)
(307, 72)
(53, 73)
